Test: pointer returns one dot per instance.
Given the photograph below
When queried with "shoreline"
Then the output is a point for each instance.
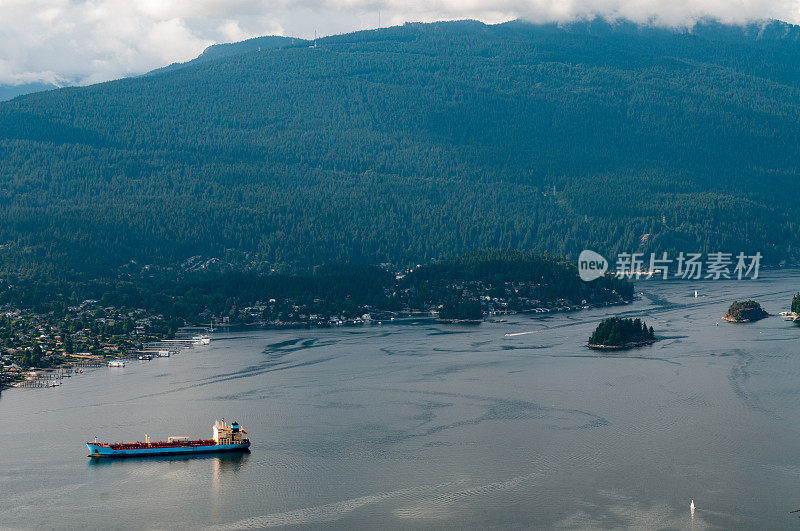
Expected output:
(407, 318)
(68, 366)
(71, 363)
(626, 346)
(730, 319)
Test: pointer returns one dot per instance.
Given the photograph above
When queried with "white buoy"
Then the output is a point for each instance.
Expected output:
(691, 507)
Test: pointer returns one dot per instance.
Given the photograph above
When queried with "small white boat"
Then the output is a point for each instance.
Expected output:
(201, 340)
(116, 363)
(691, 507)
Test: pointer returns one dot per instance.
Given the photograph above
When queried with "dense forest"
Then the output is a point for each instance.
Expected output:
(497, 274)
(745, 311)
(196, 296)
(618, 332)
(461, 309)
(413, 143)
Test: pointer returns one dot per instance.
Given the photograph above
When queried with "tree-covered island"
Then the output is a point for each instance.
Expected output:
(794, 313)
(617, 333)
(745, 312)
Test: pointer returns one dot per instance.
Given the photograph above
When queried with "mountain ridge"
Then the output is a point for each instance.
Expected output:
(416, 142)
(9, 92)
(222, 50)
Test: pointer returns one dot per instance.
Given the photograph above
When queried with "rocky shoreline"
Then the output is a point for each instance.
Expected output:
(626, 346)
(730, 319)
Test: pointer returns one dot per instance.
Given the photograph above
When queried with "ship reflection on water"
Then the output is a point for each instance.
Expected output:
(222, 463)
(227, 464)
(222, 466)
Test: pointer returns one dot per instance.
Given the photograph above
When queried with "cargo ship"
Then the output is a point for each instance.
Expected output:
(226, 438)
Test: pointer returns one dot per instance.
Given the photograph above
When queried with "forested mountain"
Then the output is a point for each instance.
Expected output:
(416, 142)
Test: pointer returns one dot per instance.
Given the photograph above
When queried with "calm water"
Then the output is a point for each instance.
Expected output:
(436, 426)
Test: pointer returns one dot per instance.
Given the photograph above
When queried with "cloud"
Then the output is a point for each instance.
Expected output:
(86, 41)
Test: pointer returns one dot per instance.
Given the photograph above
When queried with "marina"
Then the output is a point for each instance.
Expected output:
(49, 378)
(54, 377)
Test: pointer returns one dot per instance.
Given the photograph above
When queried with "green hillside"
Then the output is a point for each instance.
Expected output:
(416, 142)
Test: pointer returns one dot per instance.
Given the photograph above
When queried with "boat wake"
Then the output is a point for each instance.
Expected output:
(436, 495)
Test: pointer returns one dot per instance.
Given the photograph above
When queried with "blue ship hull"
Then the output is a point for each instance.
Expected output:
(96, 450)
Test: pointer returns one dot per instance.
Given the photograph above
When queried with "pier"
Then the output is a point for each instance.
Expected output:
(53, 377)
(46, 378)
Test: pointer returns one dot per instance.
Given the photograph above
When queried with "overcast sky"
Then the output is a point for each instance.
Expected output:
(86, 41)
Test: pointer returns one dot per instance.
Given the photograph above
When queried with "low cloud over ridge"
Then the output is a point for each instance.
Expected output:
(81, 42)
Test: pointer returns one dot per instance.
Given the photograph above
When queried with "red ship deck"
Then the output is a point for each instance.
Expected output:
(163, 444)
